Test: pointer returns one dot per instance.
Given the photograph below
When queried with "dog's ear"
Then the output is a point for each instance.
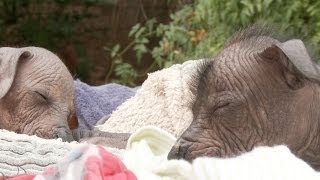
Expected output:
(296, 61)
(9, 59)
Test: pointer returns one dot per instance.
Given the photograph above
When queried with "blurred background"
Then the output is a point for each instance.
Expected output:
(103, 41)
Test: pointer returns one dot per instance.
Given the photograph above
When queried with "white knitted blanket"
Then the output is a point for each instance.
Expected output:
(23, 154)
(20, 154)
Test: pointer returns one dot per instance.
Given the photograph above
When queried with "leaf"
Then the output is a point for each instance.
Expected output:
(134, 29)
(142, 40)
(150, 24)
(140, 50)
(126, 73)
(115, 50)
(139, 32)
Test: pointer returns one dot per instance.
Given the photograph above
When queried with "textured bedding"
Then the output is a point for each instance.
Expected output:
(21, 153)
(94, 102)
(163, 100)
(147, 150)
(145, 158)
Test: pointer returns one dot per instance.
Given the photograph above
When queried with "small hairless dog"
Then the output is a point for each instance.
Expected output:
(37, 97)
(259, 90)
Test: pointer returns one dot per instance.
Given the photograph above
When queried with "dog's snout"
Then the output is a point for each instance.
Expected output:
(179, 150)
(65, 134)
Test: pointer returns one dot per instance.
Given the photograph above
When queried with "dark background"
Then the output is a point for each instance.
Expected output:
(78, 30)
(85, 33)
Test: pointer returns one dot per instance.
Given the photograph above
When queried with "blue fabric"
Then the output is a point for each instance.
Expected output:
(94, 102)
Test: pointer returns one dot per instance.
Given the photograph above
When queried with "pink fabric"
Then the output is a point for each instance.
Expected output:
(89, 162)
(108, 169)
(21, 177)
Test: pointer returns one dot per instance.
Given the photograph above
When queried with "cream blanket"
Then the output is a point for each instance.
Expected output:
(163, 100)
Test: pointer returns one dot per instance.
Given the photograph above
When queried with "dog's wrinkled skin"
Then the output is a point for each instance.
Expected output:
(36, 93)
(257, 91)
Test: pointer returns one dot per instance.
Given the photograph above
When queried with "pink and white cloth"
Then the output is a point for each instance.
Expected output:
(88, 162)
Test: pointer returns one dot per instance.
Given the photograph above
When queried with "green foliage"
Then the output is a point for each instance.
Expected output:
(200, 29)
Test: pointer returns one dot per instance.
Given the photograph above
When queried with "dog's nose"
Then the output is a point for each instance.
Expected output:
(65, 134)
(179, 150)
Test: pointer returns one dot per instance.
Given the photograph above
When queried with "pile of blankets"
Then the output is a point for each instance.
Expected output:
(145, 158)
(163, 101)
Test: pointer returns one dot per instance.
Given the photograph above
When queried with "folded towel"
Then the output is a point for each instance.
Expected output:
(163, 101)
(94, 102)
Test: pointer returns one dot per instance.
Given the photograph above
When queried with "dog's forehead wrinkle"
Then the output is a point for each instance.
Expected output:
(205, 76)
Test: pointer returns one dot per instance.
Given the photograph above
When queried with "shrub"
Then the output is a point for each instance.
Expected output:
(199, 30)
